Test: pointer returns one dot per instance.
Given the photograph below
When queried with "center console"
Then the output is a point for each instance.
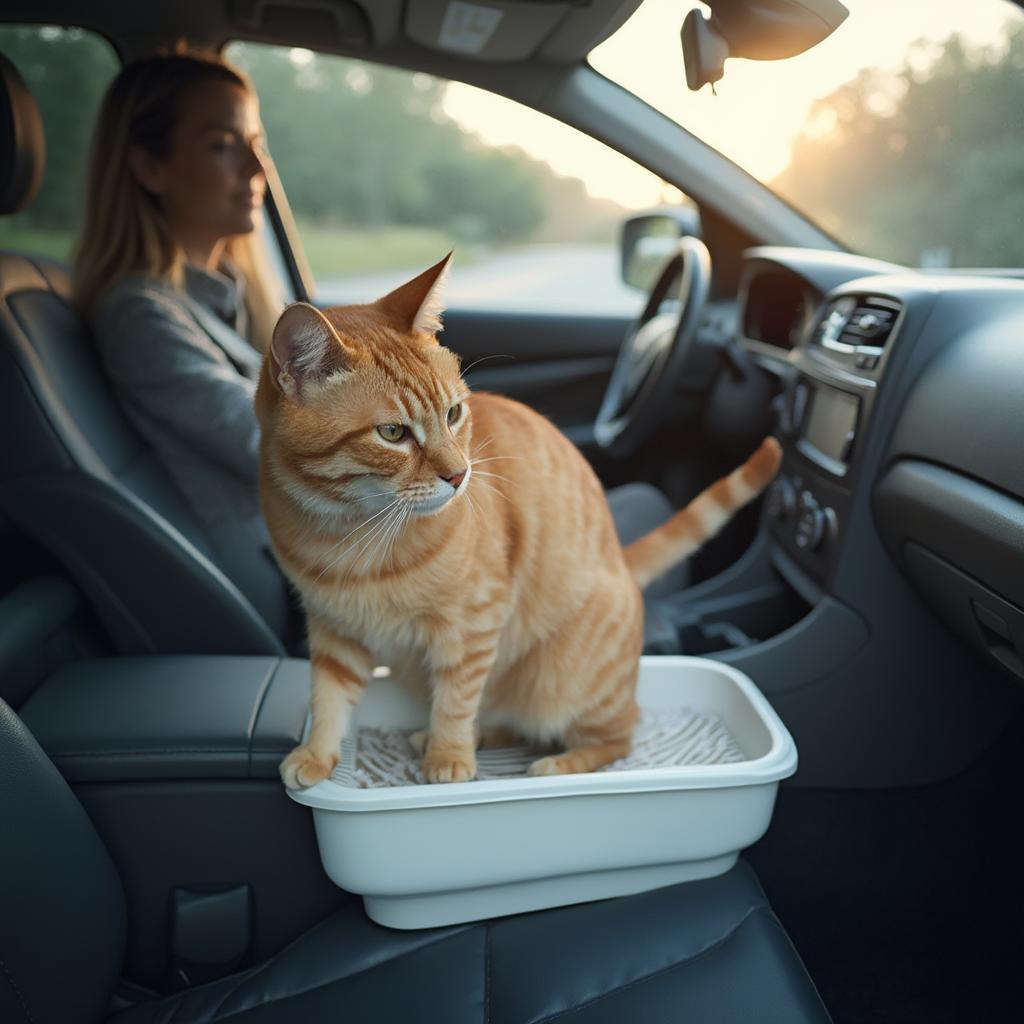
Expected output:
(875, 690)
(823, 417)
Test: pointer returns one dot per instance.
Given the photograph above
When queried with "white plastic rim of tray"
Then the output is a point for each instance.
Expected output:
(664, 682)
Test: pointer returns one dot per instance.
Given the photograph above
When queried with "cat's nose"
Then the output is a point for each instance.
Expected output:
(456, 478)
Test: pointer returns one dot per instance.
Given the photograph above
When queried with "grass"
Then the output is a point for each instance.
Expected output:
(333, 251)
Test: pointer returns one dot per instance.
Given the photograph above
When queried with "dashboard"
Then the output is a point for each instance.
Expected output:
(900, 406)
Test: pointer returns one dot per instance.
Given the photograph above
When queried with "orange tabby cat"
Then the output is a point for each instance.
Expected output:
(461, 538)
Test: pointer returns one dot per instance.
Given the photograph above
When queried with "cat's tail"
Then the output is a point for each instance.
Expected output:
(656, 552)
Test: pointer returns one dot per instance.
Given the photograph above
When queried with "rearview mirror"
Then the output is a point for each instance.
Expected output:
(756, 29)
(649, 239)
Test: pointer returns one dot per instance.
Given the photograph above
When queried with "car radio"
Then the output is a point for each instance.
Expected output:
(828, 426)
(821, 422)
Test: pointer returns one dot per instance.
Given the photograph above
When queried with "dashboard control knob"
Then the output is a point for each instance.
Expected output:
(780, 501)
(780, 413)
(831, 523)
(813, 526)
(810, 529)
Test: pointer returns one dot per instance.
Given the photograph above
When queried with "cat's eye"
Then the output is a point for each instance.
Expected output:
(392, 431)
(455, 413)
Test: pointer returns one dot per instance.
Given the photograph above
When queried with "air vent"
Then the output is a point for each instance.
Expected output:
(870, 324)
(858, 324)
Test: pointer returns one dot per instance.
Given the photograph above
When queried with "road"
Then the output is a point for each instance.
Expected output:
(540, 278)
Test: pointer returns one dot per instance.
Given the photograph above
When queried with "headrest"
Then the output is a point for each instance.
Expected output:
(22, 149)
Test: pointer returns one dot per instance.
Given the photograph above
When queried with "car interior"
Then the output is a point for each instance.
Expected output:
(154, 868)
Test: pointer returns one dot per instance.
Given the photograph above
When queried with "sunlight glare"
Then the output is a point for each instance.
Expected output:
(760, 107)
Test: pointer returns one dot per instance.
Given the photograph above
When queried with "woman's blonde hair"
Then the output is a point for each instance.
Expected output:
(123, 231)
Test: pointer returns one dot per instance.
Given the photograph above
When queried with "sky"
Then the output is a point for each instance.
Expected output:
(760, 106)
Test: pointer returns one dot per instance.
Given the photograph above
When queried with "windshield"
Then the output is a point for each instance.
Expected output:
(902, 134)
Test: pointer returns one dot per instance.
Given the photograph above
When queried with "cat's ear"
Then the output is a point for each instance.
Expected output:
(417, 305)
(305, 349)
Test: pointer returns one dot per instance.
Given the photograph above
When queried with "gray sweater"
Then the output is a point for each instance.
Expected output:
(185, 378)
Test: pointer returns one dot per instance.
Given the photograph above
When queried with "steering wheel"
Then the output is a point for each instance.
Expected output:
(654, 352)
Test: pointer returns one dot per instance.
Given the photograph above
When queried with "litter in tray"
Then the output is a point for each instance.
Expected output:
(664, 738)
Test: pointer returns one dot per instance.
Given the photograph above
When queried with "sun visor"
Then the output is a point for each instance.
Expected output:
(511, 30)
(492, 31)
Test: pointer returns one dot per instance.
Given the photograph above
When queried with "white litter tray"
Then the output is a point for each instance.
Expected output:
(699, 787)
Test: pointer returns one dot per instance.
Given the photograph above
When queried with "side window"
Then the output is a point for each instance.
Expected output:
(67, 71)
(386, 170)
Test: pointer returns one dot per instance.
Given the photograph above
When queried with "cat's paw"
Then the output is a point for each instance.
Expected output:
(549, 766)
(449, 764)
(303, 768)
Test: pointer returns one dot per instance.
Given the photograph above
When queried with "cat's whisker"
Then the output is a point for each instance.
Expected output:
(406, 512)
(496, 476)
(482, 359)
(393, 542)
(391, 532)
(389, 543)
(384, 543)
(491, 487)
(358, 554)
(494, 458)
(334, 547)
(379, 530)
(366, 521)
(355, 540)
(487, 441)
(472, 504)
(367, 497)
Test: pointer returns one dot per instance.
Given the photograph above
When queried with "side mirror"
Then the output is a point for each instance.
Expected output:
(649, 239)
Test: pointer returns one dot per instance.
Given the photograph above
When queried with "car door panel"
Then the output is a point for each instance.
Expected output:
(559, 364)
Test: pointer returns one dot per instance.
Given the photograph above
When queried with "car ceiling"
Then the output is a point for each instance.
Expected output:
(406, 32)
(398, 30)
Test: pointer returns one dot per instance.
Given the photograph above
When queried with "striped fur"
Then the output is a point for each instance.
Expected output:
(503, 594)
(656, 553)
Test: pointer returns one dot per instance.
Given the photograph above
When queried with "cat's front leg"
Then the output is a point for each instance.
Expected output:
(460, 670)
(340, 668)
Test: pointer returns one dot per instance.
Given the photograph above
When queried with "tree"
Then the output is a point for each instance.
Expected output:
(355, 144)
(361, 144)
(67, 71)
(921, 162)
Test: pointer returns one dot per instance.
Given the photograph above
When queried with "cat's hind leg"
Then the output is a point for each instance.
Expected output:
(593, 744)
(579, 685)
